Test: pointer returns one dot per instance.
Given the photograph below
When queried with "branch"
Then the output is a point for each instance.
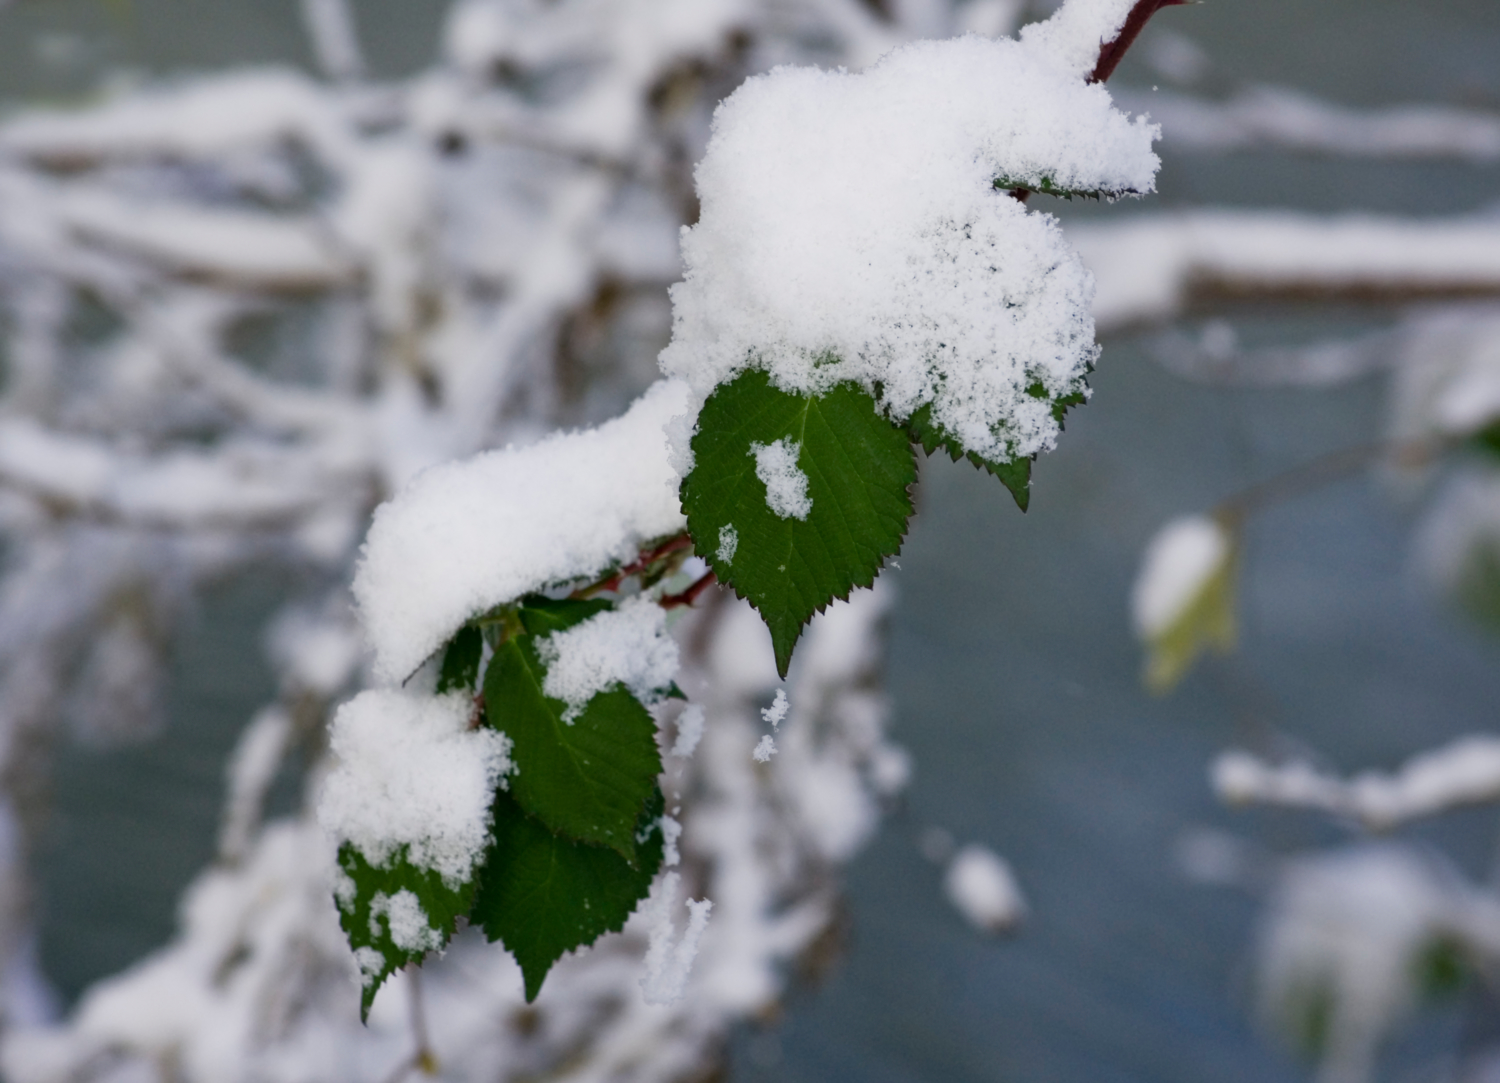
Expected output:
(1114, 51)
(690, 595)
(1329, 468)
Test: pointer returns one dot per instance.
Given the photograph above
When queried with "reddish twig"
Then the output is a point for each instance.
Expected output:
(635, 567)
(1114, 51)
(690, 595)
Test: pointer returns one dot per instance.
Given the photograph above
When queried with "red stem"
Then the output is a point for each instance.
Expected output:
(1114, 51)
(690, 595)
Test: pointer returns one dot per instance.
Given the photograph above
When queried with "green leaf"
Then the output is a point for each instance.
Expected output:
(542, 616)
(1047, 187)
(460, 668)
(543, 895)
(1207, 622)
(1014, 474)
(858, 467)
(587, 778)
(369, 897)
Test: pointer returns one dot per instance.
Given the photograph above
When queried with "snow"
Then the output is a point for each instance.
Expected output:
(786, 484)
(208, 118)
(671, 832)
(850, 231)
(764, 749)
(669, 959)
(407, 921)
(689, 731)
(775, 713)
(1266, 116)
(412, 774)
(981, 886)
(1179, 562)
(1149, 266)
(1464, 772)
(1351, 927)
(468, 536)
(627, 646)
(1075, 34)
(729, 543)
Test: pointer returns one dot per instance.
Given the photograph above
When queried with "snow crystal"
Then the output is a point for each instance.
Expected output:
(851, 230)
(765, 748)
(689, 731)
(669, 960)
(778, 709)
(370, 963)
(345, 890)
(628, 646)
(786, 484)
(408, 923)
(465, 537)
(729, 543)
(980, 884)
(411, 773)
(1181, 559)
(1075, 34)
(671, 831)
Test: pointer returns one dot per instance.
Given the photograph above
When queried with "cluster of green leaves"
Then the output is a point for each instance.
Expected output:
(575, 838)
(859, 466)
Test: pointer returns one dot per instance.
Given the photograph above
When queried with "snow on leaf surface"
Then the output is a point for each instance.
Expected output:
(627, 646)
(468, 536)
(413, 778)
(585, 775)
(393, 914)
(858, 467)
(851, 231)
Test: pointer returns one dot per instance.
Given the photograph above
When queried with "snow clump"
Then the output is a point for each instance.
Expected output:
(468, 536)
(852, 230)
(786, 484)
(982, 888)
(628, 646)
(412, 774)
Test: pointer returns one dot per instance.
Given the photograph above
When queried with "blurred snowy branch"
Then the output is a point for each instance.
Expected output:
(1465, 772)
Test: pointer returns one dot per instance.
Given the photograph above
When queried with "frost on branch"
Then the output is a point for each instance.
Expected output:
(468, 536)
(1464, 772)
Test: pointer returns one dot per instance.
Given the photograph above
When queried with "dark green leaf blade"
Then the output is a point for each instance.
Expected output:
(372, 899)
(1014, 474)
(460, 668)
(587, 779)
(541, 615)
(543, 895)
(1047, 186)
(858, 466)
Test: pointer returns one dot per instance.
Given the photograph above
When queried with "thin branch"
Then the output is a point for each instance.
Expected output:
(647, 558)
(1326, 469)
(1114, 51)
(690, 595)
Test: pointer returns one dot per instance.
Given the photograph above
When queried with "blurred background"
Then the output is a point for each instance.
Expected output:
(262, 261)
